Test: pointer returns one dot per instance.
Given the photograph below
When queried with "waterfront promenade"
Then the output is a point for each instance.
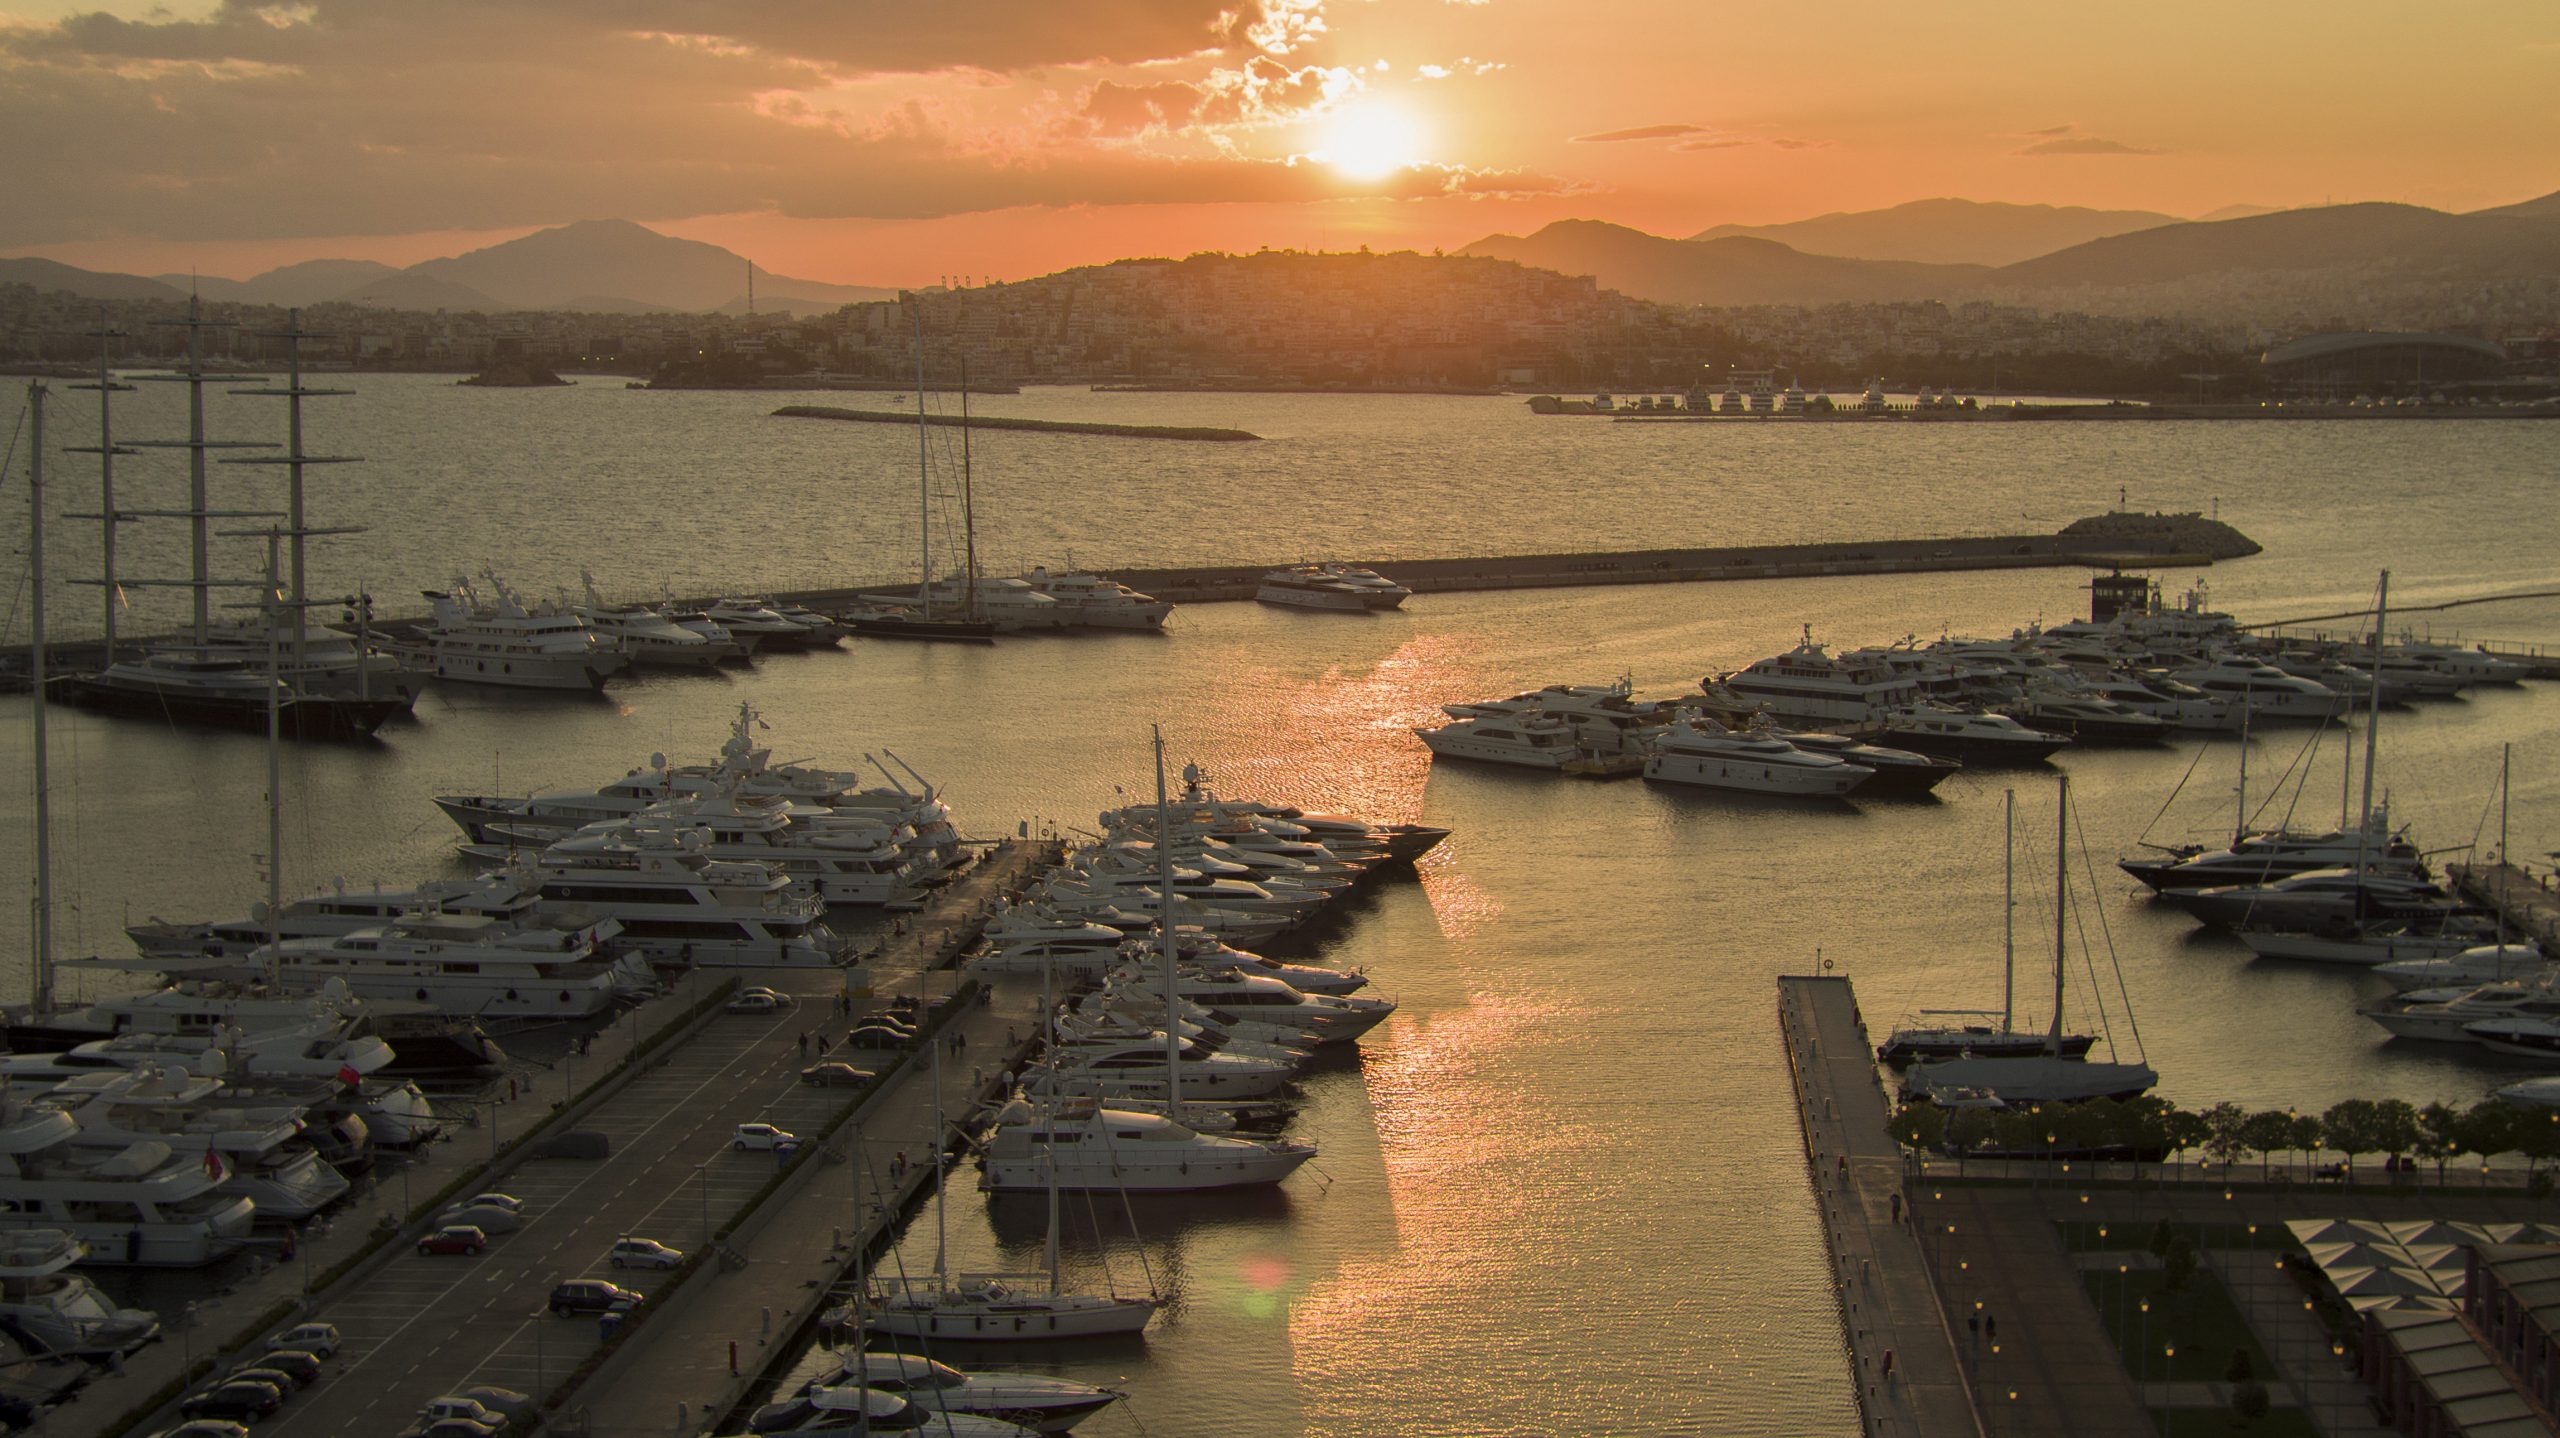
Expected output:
(417, 1326)
(1908, 1374)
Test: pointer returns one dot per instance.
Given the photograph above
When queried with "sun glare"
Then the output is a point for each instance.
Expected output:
(1372, 139)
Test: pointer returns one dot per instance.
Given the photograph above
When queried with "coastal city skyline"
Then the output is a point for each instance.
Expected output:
(907, 148)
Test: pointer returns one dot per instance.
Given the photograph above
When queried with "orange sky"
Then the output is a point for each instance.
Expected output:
(876, 144)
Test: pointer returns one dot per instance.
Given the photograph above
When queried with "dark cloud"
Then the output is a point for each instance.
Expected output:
(2084, 145)
(1641, 132)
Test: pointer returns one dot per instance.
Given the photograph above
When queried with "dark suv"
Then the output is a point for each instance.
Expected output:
(590, 1295)
(239, 1399)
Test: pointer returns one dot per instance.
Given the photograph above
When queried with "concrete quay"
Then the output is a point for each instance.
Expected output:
(1910, 1379)
(2530, 906)
(415, 1326)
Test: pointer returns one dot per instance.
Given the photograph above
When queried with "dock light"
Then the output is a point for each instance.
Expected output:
(2102, 1230)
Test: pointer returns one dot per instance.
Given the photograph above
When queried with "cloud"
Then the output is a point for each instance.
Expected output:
(370, 117)
(1641, 132)
(2067, 140)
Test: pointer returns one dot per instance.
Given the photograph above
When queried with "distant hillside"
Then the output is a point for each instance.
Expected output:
(311, 282)
(409, 290)
(87, 284)
(624, 265)
(1731, 271)
(2365, 236)
(2545, 208)
(1948, 232)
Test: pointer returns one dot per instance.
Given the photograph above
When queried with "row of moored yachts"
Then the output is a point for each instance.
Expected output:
(1899, 719)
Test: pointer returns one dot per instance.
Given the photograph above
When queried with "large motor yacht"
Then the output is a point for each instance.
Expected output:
(1710, 756)
(1088, 1146)
(1529, 741)
(501, 642)
(757, 622)
(2280, 853)
(1036, 1401)
(844, 858)
(1973, 736)
(2265, 692)
(147, 1204)
(1807, 687)
(1090, 601)
(1330, 586)
(2316, 899)
(61, 1314)
(676, 903)
(269, 1161)
(648, 637)
(467, 964)
(210, 687)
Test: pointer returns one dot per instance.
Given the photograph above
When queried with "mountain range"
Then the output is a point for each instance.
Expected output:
(1948, 232)
(2339, 253)
(598, 266)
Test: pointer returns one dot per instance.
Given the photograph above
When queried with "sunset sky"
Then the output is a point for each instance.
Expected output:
(872, 143)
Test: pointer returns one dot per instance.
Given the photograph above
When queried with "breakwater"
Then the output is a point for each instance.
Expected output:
(2107, 539)
(1043, 426)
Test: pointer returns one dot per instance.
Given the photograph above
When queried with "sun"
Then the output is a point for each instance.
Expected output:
(1371, 139)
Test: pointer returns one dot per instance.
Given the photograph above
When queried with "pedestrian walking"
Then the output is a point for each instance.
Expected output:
(1895, 1203)
(1888, 1365)
(804, 1043)
(1990, 1329)
(511, 1087)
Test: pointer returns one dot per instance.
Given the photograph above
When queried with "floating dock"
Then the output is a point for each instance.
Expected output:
(2526, 904)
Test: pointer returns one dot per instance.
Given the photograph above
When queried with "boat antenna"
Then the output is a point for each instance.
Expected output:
(2061, 901)
(1164, 931)
(921, 781)
(2008, 908)
(43, 956)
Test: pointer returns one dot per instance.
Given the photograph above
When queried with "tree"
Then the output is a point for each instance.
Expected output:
(2439, 1135)
(2267, 1131)
(2487, 1128)
(2225, 1136)
(2178, 1265)
(2395, 1127)
(2352, 1126)
(1920, 1125)
(2184, 1130)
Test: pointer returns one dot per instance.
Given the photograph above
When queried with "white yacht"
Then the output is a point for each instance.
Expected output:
(1713, 757)
(1605, 718)
(1343, 834)
(2087, 717)
(1530, 741)
(675, 903)
(462, 964)
(2315, 899)
(1807, 687)
(1036, 1401)
(1088, 1146)
(147, 1205)
(999, 1308)
(1093, 602)
(2487, 964)
(2280, 853)
(321, 659)
(60, 1314)
(1330, 586)
(843, 858)
(501, 642)
(1011, 606)
(852, 1411)
(933, 840)
(2182, 707)
(1972, 736)
(756, 621)
(2373, 945)
(2264, 691)
(2445, 1016)
(269, 1161)
(1135, 1068)
(648, 637)
(2470, 665)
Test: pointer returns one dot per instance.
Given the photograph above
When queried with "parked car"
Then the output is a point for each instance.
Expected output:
(454, 1238)
(314, 1338)
(493, 1199)
(303, 1364)
(643, 1253)
(205, 1428)
(879, 1036)
(505, 1401)
(590, 1295)
(262, 1371)
(763, 1136)
(757, 1000)
(487, 1220)
(456, 1428)
(832, 1074)
(245, 1401)
(470, 1410)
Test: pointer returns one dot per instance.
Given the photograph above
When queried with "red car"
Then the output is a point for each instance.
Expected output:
(453, 1238)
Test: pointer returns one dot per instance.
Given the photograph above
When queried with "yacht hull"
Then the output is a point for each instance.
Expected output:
(301, 717)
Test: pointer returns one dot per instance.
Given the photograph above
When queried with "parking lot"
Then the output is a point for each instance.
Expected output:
(421, 1326)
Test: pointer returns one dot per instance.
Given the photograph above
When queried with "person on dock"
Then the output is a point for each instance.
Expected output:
(804, 1043)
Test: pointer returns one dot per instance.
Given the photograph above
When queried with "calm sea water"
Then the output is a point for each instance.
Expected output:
(1561, 1190)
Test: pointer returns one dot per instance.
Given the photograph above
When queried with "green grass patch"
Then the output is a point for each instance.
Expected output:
(2223, 1423)
(2199, 1323)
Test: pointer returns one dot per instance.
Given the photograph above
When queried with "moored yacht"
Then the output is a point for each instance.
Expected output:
(1081, 1144)
(1530, 741)
(58, 1313)
(1809, 687)
(269, 1161)
(1040, 1403)
(2262, 690)
(1893, 771)
(146, 1204)
(647, 637)
(188, 685)
(501, 642)
(466, 964)
(1973, 736)
(1709, 756)
(1330, 586)
(1093, 602)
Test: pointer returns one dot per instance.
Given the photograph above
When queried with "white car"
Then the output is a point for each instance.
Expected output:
(757, 999)
(643, 1253)
(507, 1201)
(764, 1136)
(319, 1338)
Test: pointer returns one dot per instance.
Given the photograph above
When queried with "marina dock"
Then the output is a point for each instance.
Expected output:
(1905, 1365)
(2527, 904)
(665, 1087)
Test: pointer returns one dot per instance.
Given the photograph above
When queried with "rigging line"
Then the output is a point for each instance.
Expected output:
(2173, 796)
(2106, 933)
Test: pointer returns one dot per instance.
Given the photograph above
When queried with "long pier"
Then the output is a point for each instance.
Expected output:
(1903, 1356)
(2526, 904)
(664, 1088)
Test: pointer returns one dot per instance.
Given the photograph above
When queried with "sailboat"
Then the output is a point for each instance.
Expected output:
(1948, 1041)
(2048, 1077)
(899, 622)
(995, 1307)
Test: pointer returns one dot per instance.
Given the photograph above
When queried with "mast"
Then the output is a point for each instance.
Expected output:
(968, 506)
(275, 751)
(2373, 713)
(941, 1224)
(924, 482)
(2008, 907)
(42, 964)
(293, 459)
(106, 450)
(199, 512)
(1164, 934)
(2240, 819)
(2061, 901)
